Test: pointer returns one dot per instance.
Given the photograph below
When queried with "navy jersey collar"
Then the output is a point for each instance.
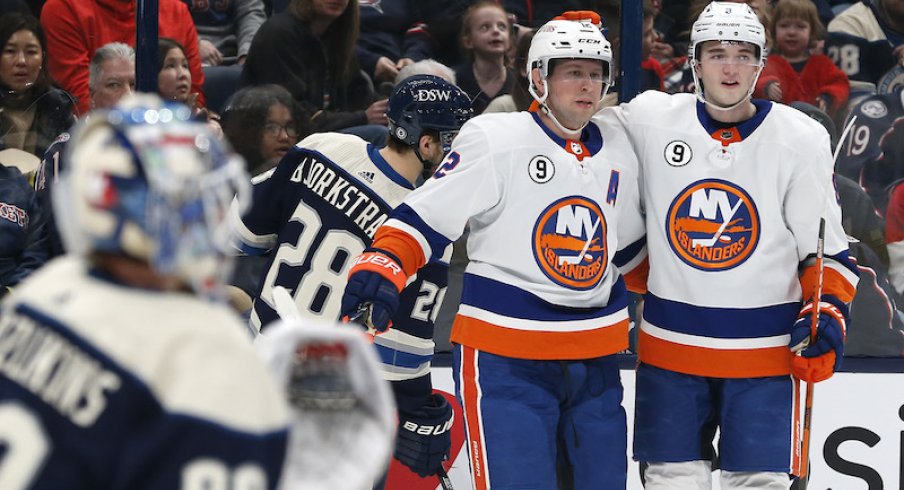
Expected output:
(590, 136)
(744, 128)
(384, 166)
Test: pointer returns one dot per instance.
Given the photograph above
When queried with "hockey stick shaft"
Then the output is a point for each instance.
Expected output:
(814, 323)
(444, 479)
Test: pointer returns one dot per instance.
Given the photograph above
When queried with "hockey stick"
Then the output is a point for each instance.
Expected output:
(444, 479)
(284, 304)
(803, 477)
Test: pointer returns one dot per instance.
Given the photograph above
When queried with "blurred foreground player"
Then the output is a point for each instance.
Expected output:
(118, 366)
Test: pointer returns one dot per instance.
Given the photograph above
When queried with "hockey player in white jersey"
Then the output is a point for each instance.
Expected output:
(320, 207)
(116, 371)
(549, 199)
(733, 192)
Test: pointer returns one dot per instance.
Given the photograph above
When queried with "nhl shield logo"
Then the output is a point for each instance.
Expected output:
(570, 243)
(713, 225)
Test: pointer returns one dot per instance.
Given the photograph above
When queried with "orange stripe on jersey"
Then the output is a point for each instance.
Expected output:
(471, 401)
(403, 246)
(529, 344)
(727, 135)
(715, 363)
(832, 283)
(796, 429)
(636, 280)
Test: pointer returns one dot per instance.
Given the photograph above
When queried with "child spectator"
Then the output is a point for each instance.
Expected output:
(485, 33)
(174, 79)
(794, 73)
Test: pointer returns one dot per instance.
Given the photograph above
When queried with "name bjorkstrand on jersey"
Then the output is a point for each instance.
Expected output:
(53, 369)
(354, 202)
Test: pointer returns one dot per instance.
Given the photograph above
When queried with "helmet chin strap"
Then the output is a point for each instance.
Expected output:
(572, 133)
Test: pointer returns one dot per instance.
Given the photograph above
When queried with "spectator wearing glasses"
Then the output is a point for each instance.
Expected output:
(263, 146)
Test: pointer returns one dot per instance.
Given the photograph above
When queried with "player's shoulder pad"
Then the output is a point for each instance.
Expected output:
(797, 123)
(193, 356)
(651, 105)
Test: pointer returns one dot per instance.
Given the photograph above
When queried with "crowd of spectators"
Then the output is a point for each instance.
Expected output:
(302, 66)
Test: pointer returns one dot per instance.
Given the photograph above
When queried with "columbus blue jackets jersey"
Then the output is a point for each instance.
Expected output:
(861, 44)
(317, 210)
(105, 386)
(546, 217)
(45, 178)
(859, 158)
(732, 216)
(20, 218)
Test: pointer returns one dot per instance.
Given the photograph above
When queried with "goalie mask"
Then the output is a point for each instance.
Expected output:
(146, 181)
(423, 103)
(727, 22)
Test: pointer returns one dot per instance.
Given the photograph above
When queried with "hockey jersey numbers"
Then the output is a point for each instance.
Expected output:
(713, 225)
(570, 242)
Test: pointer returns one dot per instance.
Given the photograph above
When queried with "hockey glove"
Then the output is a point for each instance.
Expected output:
(424, 436)
(820, 358)
(374, 283)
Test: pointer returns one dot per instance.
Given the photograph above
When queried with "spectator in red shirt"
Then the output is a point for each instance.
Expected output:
(794, 72)
(75, 29)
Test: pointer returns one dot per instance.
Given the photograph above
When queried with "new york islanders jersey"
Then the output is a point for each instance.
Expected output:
(317, 210)
(105, 386)
(546, 217)
(732, 216)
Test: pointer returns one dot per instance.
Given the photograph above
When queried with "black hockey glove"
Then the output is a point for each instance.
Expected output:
(424, 436)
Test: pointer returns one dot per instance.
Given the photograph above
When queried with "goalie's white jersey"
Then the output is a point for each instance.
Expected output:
(732, 219)
(546, 218)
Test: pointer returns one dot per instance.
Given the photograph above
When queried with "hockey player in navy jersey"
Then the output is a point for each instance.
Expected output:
(733, 192)
(549, 197)
(320, 207)
(120, 369)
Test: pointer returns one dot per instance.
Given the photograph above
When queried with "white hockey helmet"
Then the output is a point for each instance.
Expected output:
(567, 39)
(727, 21)
(145, 180)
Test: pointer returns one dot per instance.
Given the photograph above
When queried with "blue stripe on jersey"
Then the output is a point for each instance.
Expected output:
(628, 253)
(720, 323)
(590, 135)
(381, 163)
(394, 357)
(511, 301)
(745, 128)
(437, 241)
(843, 258)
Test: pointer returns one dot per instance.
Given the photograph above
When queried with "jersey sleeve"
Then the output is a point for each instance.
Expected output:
(466, 183)
(812, 193)
(255, 232)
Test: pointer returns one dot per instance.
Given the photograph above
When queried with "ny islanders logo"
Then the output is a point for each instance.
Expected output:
(713, 225)
(570, 242)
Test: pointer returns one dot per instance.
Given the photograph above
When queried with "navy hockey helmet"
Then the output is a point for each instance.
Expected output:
(427, 103)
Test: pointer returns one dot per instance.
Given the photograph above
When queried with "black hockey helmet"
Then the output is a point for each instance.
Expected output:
(427, 102)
